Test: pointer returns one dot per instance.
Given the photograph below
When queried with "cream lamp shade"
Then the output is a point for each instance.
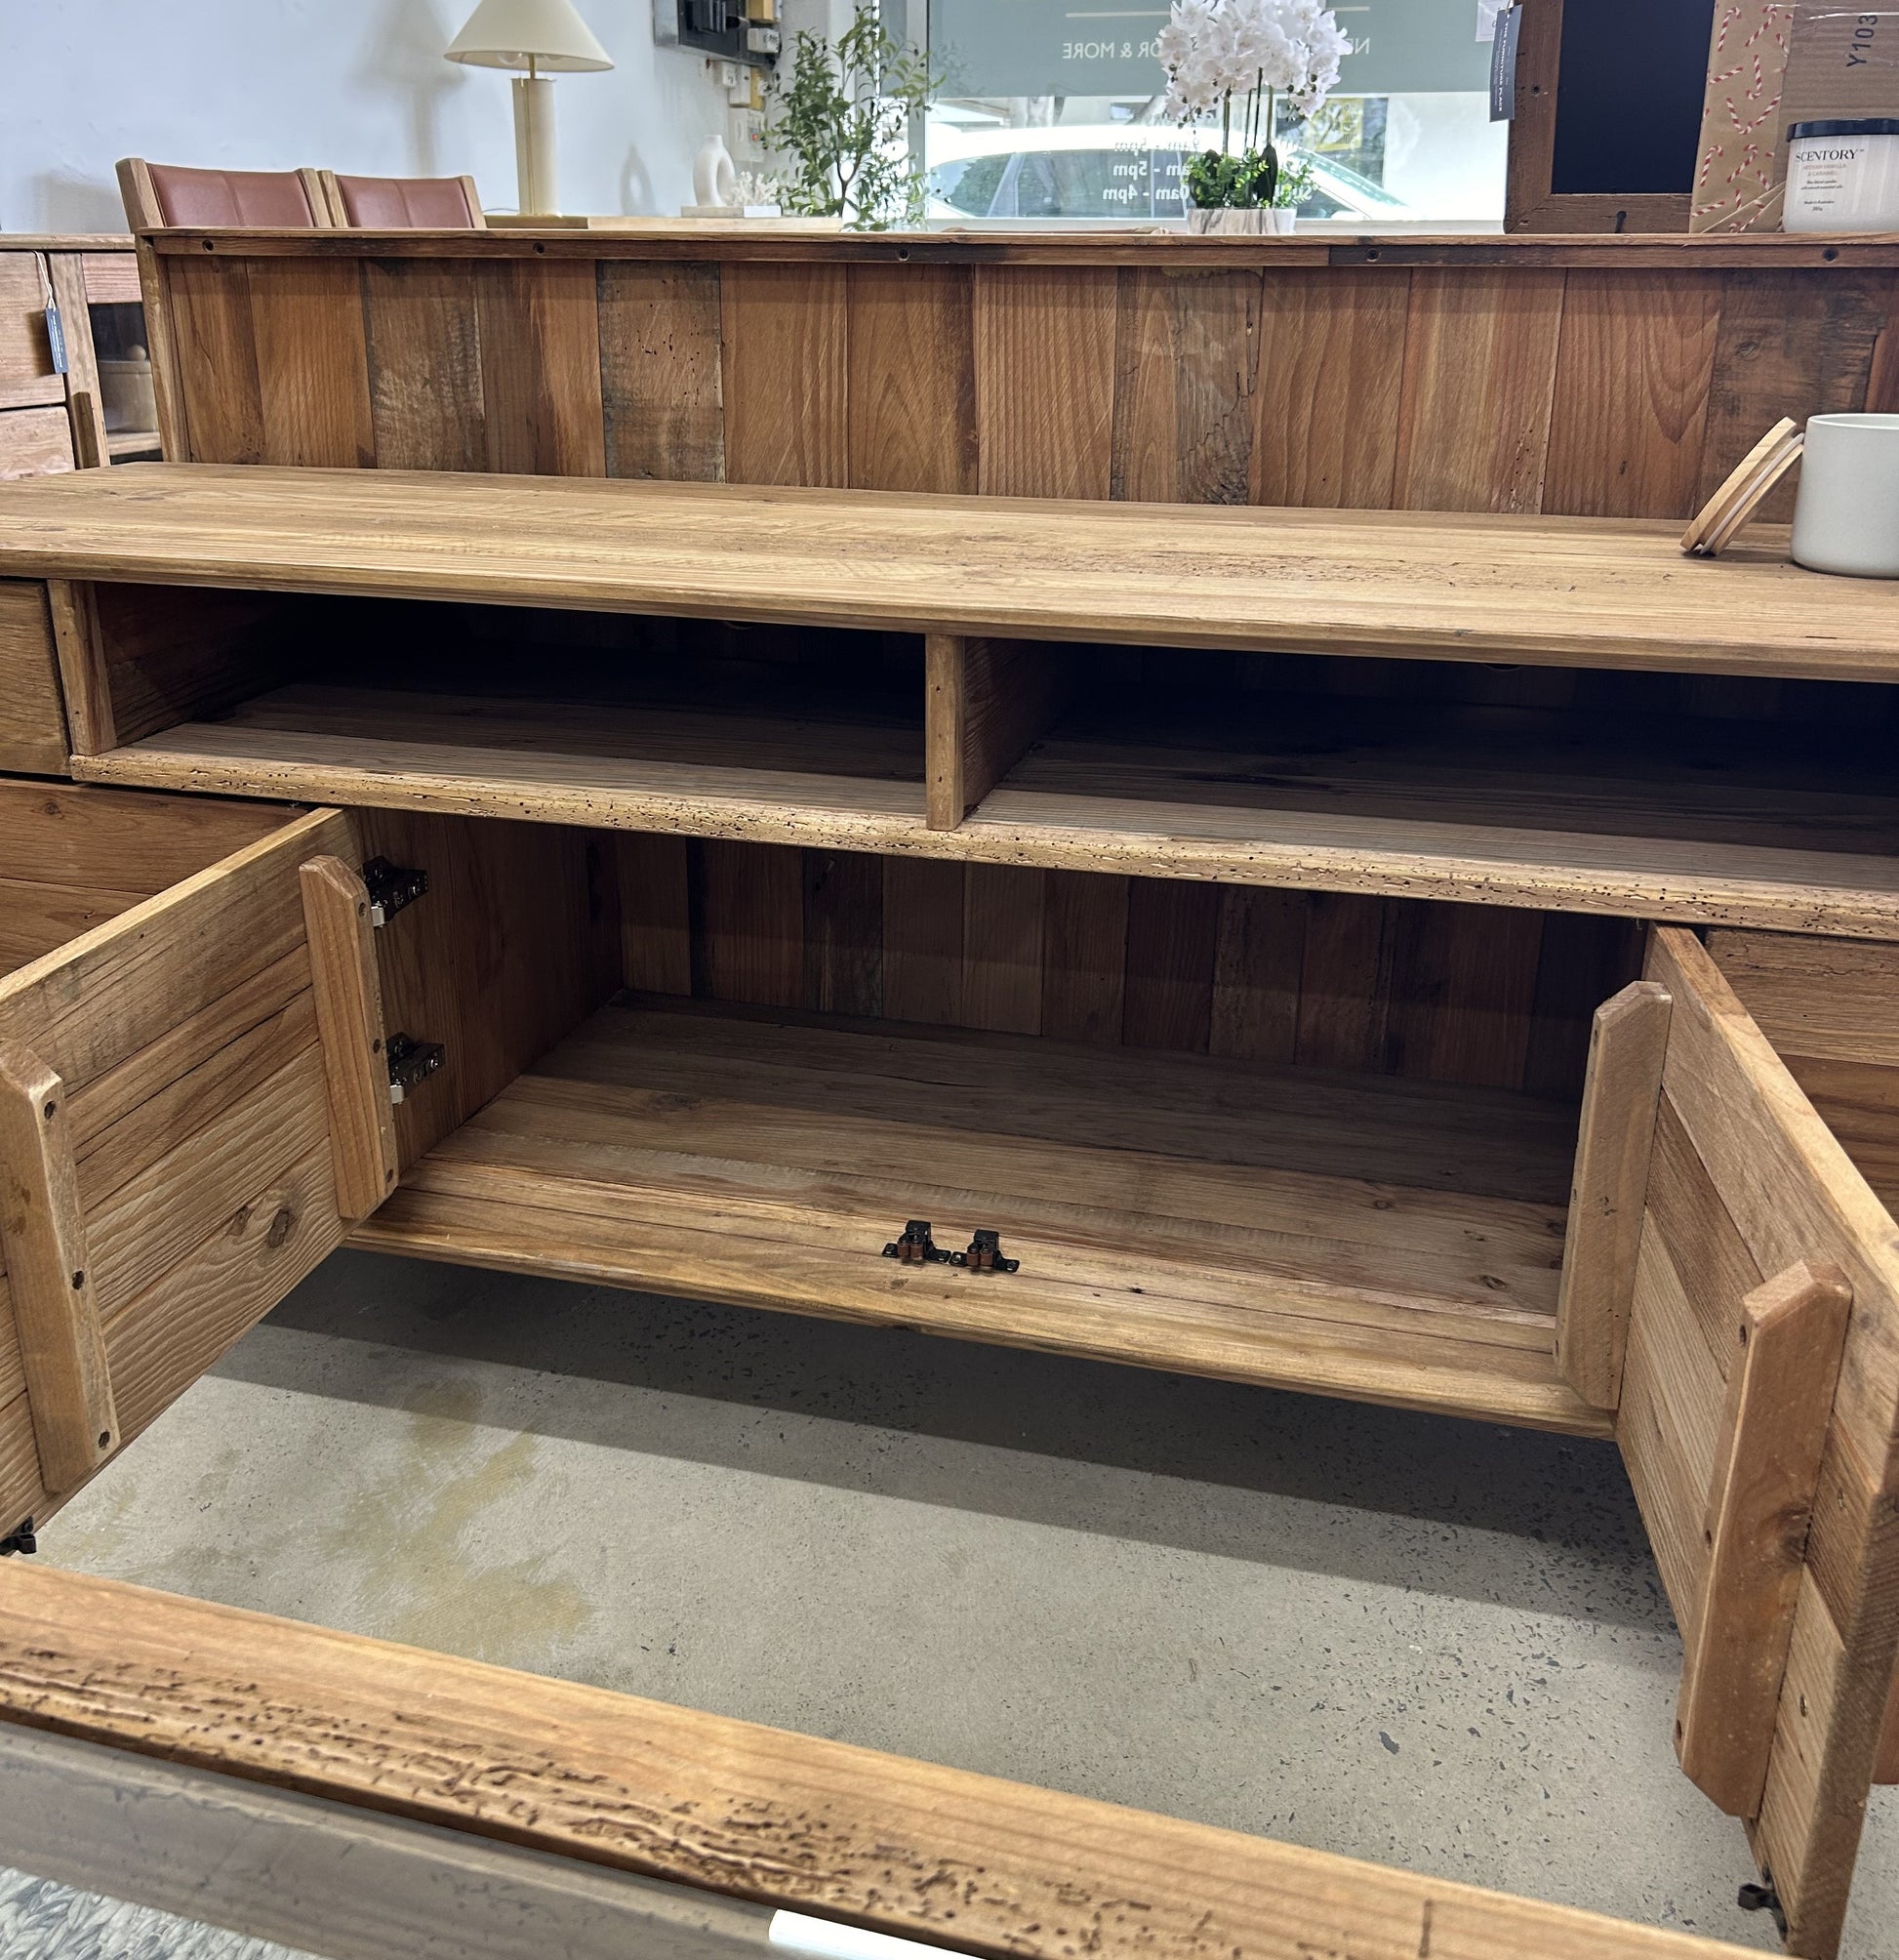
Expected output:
(537, 38)
(528, 36)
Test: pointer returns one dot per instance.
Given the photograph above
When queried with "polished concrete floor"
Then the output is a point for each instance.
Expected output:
(1436, 1644)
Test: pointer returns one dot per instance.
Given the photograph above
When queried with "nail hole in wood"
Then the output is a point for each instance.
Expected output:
(106, 1439)
(1831, 254)
(78, 1281)
(51, 1110)
(540, 248)
(209, 246)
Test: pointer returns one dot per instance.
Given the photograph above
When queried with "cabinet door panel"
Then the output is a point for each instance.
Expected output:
(168, 1149)
(1753, 1168)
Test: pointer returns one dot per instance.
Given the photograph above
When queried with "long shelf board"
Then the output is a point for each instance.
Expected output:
(1548, 591)
(1350, 1236)
(1683, 880)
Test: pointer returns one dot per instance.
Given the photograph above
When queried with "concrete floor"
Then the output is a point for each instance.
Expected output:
(1436, 1644)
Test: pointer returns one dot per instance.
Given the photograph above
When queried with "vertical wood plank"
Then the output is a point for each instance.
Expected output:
(1332, 362)
(1463, 992)
(85, 677)
(748, 923)
(655, 913)
(425, 364)
(312, 363)
(912, 387)
(1479, 374)
(210, 317)
(661, 381)
(349, 1027)
(1621, 1098)
(1003, 906)
(1789, 1334)
(155, 288)
(1045, 380)
(1185, 363)
(1256, 973)
(1788, 345)
(843, 932)
(43, 1245)
(923, 908)
(67, 272)
(1172, 929)
(786, 337)
(1345, 981)
(1084, 956)
(1633, 374)
(985, 702)
(539, 323)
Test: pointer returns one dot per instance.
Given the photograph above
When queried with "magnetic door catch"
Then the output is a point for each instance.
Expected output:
(411, 1064)
(20, 1539)
(916, 1248)
(391, 887)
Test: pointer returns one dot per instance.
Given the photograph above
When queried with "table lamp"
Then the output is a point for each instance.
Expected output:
(537, 37)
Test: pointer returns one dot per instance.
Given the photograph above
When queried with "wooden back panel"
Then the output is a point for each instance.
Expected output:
(32, 721)
(184, 1039)
(1442, 991)
(1745, 1182)
(1499, 376)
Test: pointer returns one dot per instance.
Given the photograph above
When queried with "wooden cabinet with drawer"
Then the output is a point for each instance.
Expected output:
(832, 904)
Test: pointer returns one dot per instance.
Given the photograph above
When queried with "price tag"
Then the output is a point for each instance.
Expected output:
(1503, 66)
(56, 339)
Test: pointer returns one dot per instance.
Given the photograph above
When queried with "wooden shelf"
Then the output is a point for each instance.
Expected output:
(1544, 591)
(131, 443)
(1362, 1236)
(1788, 833)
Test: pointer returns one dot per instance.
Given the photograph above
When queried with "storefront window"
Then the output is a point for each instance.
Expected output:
(1051, 109)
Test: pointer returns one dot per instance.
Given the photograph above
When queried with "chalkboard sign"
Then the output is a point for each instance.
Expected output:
(1629, 96)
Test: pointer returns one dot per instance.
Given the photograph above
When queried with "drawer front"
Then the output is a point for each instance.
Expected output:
(32, 721)
(34, 442)
(28, 376)
(1759, 1414)
(184, 1090)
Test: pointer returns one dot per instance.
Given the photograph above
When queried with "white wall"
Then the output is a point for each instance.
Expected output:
(357, 85)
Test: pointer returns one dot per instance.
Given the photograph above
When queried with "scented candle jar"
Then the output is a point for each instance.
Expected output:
(1843, 175)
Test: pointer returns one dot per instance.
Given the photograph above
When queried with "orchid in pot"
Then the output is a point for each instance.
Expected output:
(1238, 59)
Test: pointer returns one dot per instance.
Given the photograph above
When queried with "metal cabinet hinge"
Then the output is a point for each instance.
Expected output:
(411, 1064)
(20, 1539)
(1762, 1898)
(391, 887)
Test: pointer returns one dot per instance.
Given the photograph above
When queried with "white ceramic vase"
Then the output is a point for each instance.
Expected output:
(1256, 221)
(714, 176)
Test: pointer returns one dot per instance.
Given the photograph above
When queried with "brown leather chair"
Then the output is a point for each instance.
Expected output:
(404, 203)
(171, 194)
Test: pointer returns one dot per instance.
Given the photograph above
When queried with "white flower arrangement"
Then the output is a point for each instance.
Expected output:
(1217, 51)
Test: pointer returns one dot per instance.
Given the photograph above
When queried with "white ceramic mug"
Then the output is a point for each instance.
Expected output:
(1846, 515)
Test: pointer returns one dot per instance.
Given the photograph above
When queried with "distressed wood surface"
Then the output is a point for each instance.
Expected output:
(1620, 1098)
(32, 716)
(1620, 376)
(737, 1808)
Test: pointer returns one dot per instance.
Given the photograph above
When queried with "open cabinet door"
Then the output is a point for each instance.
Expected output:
(1758, 1413)
(193, 1104)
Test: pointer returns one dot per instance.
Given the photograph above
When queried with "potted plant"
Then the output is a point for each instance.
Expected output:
(1249, 52)
(842, 123)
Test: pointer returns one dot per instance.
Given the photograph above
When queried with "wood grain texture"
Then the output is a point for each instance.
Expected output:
(985, 702)
(349, 1001)
(911, 379)
(35, 442)
(1004, 908)
(66, 272)
(1479, 381)
(1546, 590)
(426, 409)
(1632, 387)
(661, 381)
(787, 374)
(1621, 1097)
(540, 385)
(32, 716)
(44, 1247)
(1794, 1194)
(1774, 1430)
(655, 913)
(215, 350)
(1185, 370)
(1045, 380)
(827, 1827)
(1084, 956)
(1331, 365)
(844, 933)
(312, 365)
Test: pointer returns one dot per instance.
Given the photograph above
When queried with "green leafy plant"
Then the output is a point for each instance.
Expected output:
(841, 124)
(1296, 182)
(1217, 178)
